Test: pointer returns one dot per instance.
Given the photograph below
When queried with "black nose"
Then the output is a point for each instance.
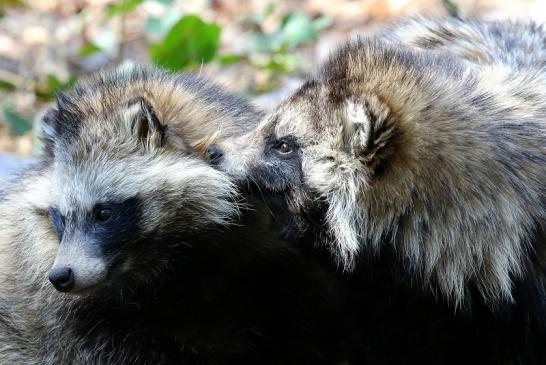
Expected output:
(214, 155)
(62, 279)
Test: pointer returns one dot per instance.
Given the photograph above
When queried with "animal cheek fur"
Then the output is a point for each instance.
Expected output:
(332, 171)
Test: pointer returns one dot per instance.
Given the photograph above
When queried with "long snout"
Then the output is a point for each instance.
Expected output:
(62, 278)
(234, 156)
(74, 269)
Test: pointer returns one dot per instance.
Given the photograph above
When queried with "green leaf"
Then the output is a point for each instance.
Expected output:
(45, 89)
(11, 3)
(260, 18)
(297, 29)
(88, 49)
(269, 9)
(159, 27)
(6, 85)
(5, 4)
(259, 42)
(322, 22)
(17, 123)
(190, 42)
(153, 25)
(230, 59)
(121, 7)
(451, 7)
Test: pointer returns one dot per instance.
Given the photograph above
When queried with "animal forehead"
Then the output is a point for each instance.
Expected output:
(80, 182)
(111, 176)
(94, 152)
(93, 133)
(307, 116)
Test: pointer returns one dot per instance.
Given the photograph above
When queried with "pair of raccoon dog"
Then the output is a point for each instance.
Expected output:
(407, 178)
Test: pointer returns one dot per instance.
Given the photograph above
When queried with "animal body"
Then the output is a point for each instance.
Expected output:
(122, 246)
(424, 173)
(518, 45)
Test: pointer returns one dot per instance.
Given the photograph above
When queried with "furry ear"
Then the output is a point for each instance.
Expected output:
(59, 122)
(367, 128)
(145, 124)
(49, 131)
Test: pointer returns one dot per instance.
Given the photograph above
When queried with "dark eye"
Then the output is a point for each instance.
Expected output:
(58, 222)
(103, 214)
(283, 147)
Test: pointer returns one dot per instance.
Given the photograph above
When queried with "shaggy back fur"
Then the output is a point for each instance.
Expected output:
(516, 45)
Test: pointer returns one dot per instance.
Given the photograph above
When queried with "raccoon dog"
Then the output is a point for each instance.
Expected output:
(424, 174)
(128, 225)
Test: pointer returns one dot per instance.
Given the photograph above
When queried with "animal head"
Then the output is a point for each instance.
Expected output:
(317, 149)
(388, 147)
(127, 185)
(323, 148)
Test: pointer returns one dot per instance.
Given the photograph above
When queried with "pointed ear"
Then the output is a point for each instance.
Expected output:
(49, 131)
(367, 129)
(58, 122)
(145, 124)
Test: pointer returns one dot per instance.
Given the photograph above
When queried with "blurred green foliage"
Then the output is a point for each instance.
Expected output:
(451, 7)
(46, 88)
(4, 4)
(17, 123)
(88, 49)
(6, 85)
(185, 41)
(293, 30)
(274, 52)
(121, 7)
(189, 43)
